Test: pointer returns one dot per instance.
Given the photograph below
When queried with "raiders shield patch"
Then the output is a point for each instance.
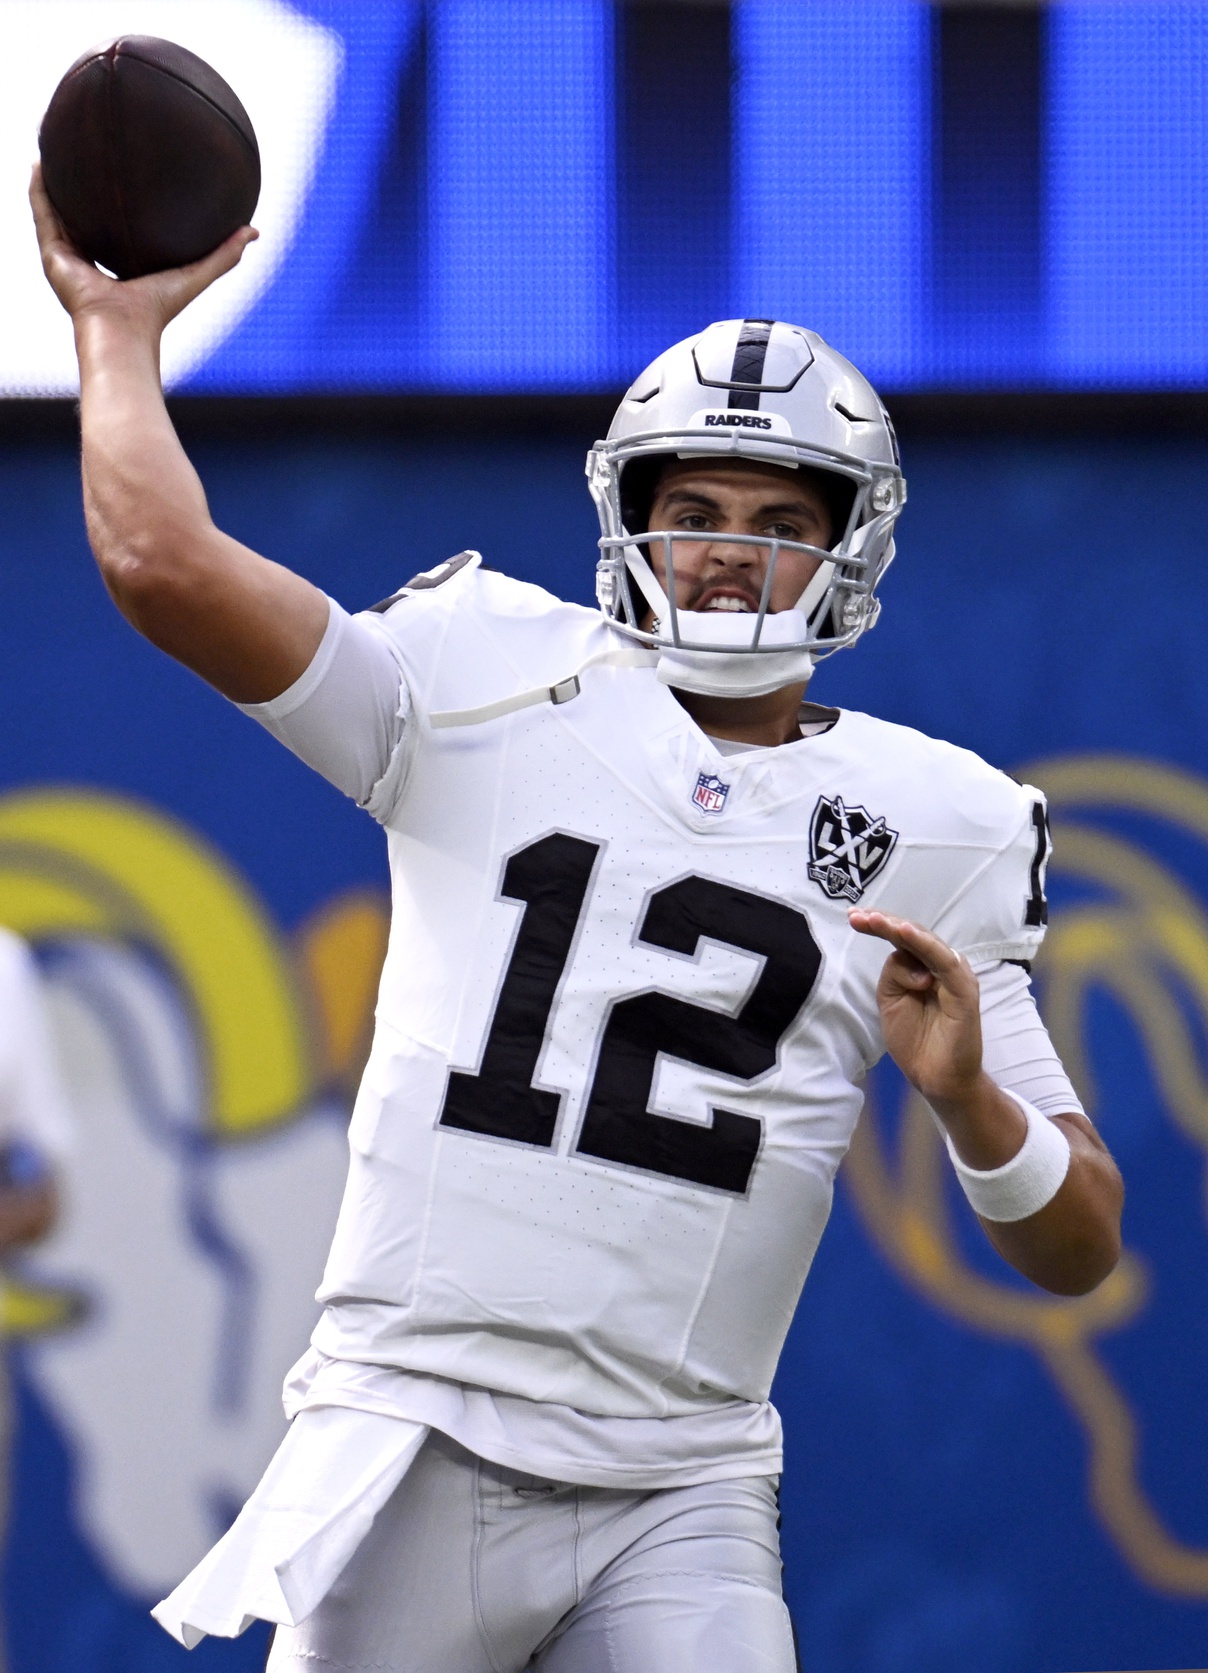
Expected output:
(848, 847)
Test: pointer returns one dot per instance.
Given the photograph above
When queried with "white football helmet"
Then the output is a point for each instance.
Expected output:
(748, 389)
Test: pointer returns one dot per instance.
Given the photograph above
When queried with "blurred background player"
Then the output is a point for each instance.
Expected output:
(34, 1131)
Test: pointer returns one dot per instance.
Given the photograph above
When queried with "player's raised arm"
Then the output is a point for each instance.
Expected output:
(246, 625)
(1046, 1189)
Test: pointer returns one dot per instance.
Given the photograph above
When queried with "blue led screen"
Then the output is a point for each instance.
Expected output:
(1128, 194)
(832, 188)
(540, 195)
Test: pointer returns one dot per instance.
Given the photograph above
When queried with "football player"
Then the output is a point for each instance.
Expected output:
(655, 918)
(35, 1141)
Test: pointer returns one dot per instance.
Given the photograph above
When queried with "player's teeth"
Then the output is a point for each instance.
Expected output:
(729, 604)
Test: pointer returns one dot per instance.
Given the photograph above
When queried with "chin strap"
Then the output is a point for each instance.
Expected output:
(563, 691)
(648, 586)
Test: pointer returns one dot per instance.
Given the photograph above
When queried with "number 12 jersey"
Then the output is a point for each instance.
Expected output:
(624, 1022)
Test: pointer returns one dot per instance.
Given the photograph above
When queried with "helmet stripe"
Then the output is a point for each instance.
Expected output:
(749, 357)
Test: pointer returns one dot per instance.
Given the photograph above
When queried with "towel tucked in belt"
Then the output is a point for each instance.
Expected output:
(330, 1476)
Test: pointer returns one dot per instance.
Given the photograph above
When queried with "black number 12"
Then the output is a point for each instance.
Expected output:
(551, 877)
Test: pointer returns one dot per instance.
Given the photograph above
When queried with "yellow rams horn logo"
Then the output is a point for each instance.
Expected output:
(1139, 933)
(276, 1022)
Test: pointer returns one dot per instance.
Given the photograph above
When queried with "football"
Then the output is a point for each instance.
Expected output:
(148, 156)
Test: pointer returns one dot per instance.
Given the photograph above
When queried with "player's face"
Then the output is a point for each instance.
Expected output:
(737, 496)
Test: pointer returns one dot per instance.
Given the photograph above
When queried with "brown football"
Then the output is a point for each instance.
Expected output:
(148, 156)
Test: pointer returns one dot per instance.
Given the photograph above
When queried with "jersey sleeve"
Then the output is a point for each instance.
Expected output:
(346, 715)
(1000, 910)
(33, 1104)
(1017, 1052)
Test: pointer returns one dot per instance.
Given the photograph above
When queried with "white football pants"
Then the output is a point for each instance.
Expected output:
(471, 1568)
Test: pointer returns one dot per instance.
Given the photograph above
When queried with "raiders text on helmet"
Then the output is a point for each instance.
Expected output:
(767, 391)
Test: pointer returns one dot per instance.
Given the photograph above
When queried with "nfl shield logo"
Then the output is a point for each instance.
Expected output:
(710, 793)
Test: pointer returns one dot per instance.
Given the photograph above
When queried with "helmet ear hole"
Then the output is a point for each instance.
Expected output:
(839, 493)
(638, 486)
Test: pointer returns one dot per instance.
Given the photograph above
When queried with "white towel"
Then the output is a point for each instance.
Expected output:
(315, 1503)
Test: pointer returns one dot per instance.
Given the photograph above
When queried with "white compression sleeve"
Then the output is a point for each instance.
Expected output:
(1016, 1050)
(345, 715)
(1018, 1056)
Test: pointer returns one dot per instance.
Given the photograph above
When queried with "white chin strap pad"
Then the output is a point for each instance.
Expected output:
(738, 671)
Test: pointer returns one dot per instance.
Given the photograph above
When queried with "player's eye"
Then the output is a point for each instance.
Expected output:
(692, 520)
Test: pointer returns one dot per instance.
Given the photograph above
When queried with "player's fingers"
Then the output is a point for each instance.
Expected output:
(37, 192)
(227, 255)
(69, 275)
(912, 939)
(49, 227)
(904, 973)
(930, 950)
(182, 284)
(902, 934)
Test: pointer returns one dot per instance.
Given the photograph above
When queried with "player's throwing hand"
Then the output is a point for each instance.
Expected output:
(151, 301)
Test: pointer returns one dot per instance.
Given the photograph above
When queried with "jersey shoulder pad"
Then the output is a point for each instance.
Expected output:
(466, 585)
(942, 791)
(426, 581)
(470, 636)
(976, 831)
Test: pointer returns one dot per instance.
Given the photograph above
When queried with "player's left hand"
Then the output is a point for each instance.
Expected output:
(930, 1004)
(930, 1009)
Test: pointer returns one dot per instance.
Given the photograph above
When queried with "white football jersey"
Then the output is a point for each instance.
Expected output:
(624, 1022)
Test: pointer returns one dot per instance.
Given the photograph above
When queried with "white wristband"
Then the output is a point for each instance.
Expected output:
(1030, 1179)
